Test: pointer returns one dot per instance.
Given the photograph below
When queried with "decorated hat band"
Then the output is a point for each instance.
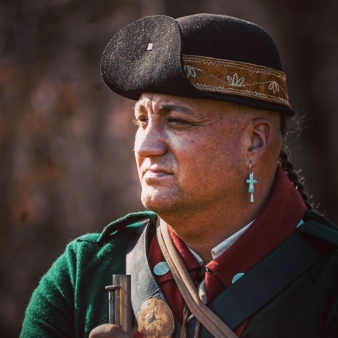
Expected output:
(236, 78)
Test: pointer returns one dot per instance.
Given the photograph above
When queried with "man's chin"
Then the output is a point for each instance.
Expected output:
(151, 205)
(156, 203)
(162, 200)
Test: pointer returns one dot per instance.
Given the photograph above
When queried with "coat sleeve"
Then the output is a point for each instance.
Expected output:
(50, 312)
(71, 298)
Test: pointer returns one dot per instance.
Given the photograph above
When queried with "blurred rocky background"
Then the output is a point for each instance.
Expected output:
(66, 141)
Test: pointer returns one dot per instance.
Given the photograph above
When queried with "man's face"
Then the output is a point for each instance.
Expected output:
(190, 153)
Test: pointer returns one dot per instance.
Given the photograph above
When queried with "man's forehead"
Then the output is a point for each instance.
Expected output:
(160, 98)
(151, 101)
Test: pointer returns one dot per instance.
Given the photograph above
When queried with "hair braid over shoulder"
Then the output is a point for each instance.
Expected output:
(293, 175)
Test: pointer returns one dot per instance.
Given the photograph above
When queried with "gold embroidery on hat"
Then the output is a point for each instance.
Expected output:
(237, 78)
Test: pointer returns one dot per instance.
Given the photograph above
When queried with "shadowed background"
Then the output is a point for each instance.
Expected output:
(66, 141)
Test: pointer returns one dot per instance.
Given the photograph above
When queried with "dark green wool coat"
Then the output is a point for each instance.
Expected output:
(71, 298)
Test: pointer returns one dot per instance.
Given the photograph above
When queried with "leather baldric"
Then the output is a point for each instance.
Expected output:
(199, 310)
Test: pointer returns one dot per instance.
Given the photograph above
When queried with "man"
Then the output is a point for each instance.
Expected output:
(229, 224)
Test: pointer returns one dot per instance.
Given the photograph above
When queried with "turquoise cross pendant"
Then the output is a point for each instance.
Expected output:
(251, 181)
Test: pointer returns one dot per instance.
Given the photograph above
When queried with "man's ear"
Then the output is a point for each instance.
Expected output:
(260, 131)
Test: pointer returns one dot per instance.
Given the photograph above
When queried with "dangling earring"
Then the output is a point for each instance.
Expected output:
(251, 181)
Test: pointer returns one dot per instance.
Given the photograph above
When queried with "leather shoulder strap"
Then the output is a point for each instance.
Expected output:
(143, 284)
(201, 312)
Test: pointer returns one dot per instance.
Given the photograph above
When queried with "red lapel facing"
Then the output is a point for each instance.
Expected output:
(272, 227)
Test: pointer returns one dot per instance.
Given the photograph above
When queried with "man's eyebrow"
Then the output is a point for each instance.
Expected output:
(169, 107)
(165, 108)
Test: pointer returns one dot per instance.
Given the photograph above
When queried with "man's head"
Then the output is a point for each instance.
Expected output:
(211, 97)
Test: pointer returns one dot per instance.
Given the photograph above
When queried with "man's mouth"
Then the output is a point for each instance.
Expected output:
(156, 171)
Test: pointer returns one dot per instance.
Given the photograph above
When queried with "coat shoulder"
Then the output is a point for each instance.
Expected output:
(319, 228)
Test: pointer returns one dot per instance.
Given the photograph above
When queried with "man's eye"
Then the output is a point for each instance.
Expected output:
(140, 121)
(176, 120)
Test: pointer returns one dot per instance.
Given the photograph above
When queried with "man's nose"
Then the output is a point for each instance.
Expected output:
(150, 141)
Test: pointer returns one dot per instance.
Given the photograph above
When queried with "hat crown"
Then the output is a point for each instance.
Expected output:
(229, 38)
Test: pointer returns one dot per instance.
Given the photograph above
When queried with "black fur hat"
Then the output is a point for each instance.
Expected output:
(202, 56)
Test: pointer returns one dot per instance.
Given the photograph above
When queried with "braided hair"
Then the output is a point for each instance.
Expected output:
(289, 169)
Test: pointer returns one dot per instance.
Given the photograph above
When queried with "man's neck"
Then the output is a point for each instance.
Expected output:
(202, 234)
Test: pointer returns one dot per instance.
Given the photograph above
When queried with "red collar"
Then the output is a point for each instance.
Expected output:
(272, 227)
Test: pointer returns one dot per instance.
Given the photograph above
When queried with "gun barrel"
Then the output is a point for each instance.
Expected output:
(119, 298)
